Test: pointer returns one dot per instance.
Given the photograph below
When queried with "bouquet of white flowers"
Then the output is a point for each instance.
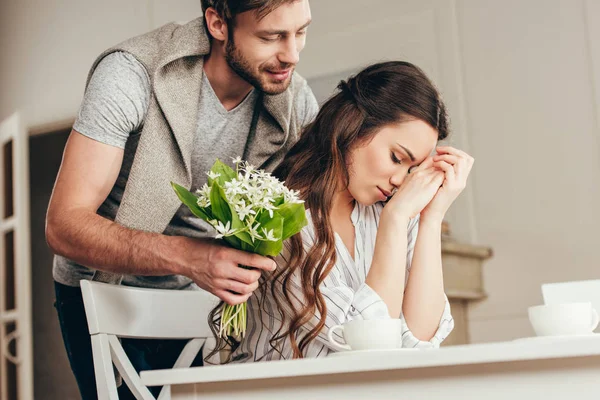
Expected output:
(252, 211)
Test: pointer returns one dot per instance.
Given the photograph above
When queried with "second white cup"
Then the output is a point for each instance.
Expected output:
(563, 319)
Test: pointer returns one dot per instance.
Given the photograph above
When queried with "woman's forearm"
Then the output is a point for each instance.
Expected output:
(424, 298)
(385, 276)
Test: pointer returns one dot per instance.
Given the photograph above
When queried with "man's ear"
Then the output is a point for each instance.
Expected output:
(216, 25)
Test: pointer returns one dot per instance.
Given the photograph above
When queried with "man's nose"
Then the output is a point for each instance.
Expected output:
(290, 54)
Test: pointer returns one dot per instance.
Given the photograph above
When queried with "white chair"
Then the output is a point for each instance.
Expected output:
(118, 311)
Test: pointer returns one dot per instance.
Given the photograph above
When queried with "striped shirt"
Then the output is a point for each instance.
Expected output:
(347, 295)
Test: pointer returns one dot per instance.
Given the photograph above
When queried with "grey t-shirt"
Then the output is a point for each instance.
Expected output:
(113, 112)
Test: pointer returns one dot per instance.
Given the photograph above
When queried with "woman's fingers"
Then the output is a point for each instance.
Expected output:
(427, 163)
(456, 152)
(449, 158)
(461, 160)
(449, 173)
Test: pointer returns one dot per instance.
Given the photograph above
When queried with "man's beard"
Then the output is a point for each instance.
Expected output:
(241, 66)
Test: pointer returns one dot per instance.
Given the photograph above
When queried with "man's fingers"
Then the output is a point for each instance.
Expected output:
(237, 287)
(246, 276)
(254, 260)
(231, 298)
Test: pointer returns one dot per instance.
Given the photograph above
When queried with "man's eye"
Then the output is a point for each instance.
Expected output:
(395, 159)
(301, 33)
(269, 39)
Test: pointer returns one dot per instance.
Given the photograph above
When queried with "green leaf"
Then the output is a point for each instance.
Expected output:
(294, 218)
(218, 203)
(266, 247)
(226, 173)
(236, 223)
(243, 235)
(279, 201)
(233, 242)
(224, 212)
(191, 201)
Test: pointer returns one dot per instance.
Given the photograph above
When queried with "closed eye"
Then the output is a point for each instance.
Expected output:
(395, 159)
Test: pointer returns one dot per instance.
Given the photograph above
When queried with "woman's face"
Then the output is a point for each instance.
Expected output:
(380, 166)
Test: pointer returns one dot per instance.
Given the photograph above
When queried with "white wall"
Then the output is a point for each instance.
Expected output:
(48, 46)
(528, 82)
(533, 112)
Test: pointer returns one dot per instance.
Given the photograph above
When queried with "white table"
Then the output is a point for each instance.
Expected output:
(535, 369)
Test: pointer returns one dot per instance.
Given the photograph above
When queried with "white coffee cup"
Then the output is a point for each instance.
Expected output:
(563, 319)
(573, 292)
(368, 334)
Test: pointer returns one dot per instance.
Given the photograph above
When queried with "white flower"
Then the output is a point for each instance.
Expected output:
(270, 207)
(237, 160)
(244, 210)
(269, 235)
(203, 196)
(233, 188)
(203, 202)
(213, 175)
(291, 196)
(224, 230)
(253, 231)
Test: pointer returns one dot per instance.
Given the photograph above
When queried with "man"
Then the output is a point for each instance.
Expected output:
(158, 108)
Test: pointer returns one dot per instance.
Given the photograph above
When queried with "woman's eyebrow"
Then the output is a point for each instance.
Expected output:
(410, 154)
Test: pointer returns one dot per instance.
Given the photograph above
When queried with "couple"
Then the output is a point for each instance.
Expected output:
(163, 106)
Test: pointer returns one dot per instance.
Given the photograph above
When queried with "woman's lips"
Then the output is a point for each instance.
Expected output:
(384, 193)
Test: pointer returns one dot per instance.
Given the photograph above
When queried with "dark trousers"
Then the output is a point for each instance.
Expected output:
(144, 354)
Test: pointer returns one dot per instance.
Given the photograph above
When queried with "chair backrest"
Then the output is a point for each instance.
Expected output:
(147, 313)
(126, 312)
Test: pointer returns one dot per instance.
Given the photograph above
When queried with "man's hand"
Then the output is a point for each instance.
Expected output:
(216, 268)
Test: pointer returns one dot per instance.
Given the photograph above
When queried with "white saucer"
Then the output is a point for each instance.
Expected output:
(376, 351)
(557, 338)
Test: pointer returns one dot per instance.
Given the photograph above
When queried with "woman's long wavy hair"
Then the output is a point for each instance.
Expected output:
(317, 166)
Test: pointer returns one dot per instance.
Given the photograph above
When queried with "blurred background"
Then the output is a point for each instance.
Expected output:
(521, 79)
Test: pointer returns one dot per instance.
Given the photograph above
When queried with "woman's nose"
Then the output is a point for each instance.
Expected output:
(397, 178)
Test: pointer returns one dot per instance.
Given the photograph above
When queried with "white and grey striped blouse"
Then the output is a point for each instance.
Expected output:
(347, 295)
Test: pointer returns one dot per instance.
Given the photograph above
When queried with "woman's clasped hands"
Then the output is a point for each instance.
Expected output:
(432, 187)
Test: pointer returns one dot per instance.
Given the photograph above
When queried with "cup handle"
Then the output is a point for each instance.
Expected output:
(595, 319)
(335, 344)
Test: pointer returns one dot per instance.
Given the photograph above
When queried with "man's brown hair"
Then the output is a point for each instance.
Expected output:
(229, 9)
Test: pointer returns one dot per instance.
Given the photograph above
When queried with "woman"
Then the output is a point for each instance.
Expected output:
(376, 189)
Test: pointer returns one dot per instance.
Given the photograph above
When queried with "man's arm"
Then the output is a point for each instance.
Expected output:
(88, 172)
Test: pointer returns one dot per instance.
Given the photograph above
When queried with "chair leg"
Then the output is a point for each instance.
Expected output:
(103, 368)
(128, 372)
